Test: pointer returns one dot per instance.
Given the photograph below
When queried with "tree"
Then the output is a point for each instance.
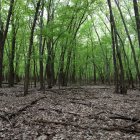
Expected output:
(136, 10)
(67, 42)
(41, 48)
(27, 69)
(114, 48)
(15, 27)
(3, 35)
(130, 40)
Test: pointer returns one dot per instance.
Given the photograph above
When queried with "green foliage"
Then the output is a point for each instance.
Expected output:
(83, 42)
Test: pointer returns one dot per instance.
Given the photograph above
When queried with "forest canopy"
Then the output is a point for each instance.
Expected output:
(61, 42)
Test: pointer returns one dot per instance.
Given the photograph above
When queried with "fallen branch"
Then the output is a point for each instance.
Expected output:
(76, 99)
(41, 121)
(122, 129)
(68, 89)
(44, 122)
(126, 118)
(13, 115)
(133, 124)
(81, 103)
(4, 118)
(59, 111)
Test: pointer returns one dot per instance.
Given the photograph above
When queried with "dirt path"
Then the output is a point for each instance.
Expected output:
(79, 113)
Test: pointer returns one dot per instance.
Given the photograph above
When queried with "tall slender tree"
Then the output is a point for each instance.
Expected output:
(113, 48)
(27, 69)
(41, 48)
(3, 35)
(137, 17)
(130, 40)
(15, 27)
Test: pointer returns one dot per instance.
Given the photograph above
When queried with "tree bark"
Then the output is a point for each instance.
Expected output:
(50, 47)
(122, 86)
(27, 69)
(136, 10)
(113, 48)
(41, 49)
(12, 53)
(3, 35)
(130, 41)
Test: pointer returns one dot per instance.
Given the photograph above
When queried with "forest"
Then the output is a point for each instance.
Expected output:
(69, 69)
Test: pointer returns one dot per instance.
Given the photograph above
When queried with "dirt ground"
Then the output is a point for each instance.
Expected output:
(72, 113)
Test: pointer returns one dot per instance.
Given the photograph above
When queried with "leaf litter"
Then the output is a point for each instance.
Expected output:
(70, 113)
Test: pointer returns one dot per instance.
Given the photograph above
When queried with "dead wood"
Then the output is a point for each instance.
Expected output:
(1, 94)
(77, 99)
(71, 113)
(17, 113)
(122, 129)
(59, 111)
(68, 89)
(132, 124)
(126, 118)
(4, 118)
(81, 103)
(71, 110)
(41, 121)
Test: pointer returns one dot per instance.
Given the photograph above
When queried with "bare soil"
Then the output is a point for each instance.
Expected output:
(72, 113)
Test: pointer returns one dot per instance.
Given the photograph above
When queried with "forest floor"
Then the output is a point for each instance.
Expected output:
(72, 113)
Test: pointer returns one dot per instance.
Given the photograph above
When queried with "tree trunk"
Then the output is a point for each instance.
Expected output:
(1, 56)
(27, 69)
(123, 89)
(3, 35)
(49, 68)
(113, 48)
(130, 41)
(12, 55)
(136, 10)
(41, 49)
(35, 75)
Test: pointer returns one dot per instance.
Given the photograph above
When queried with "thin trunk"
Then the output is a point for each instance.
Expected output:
(131, 81)
(122, 88)
(27, 69)
(41, 49)
(73, 75)
(50, 47)
(12, 54)
(113, 48)
(49, 65)
(125, 55)
(136, 10)
(130, 41)
(35, 76)
(94, 69)
(3, 35)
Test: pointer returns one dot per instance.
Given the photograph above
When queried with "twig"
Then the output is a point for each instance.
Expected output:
(125, 118)
(133, 124)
